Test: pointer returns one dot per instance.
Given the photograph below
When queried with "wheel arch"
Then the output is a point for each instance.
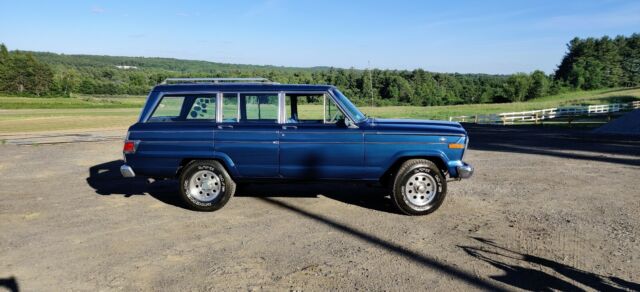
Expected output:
(389, 173)
(223, 159)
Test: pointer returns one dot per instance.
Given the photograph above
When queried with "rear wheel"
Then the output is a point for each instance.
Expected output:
(205, 185)
(419, 187)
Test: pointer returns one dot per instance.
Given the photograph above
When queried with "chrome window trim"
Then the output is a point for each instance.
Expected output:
(218, 107)
(281, 108)
(238, 107)
(324, 108)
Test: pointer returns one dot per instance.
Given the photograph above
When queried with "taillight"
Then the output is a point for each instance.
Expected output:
(129, 147)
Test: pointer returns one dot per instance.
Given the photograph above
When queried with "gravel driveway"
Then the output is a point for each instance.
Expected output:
(547, 209)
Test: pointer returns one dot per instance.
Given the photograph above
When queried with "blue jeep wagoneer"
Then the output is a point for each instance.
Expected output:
(215, 133)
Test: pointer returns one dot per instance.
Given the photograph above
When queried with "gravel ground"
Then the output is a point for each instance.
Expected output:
(546, 209)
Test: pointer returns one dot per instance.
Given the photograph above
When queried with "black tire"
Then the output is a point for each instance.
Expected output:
(432, 188)
(224, 184)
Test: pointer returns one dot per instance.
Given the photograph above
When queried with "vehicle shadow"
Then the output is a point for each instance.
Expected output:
(11, 284)
(346, 192)
(529, 272)
(106, 180)
(562, 142)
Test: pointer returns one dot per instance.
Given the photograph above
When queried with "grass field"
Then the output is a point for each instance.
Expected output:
(444, 112)
(79, 101)
(28, 114)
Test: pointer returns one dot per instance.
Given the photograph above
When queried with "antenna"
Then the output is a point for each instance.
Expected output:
(370, 81)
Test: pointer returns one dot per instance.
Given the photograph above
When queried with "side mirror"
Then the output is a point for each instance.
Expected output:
(349, 123)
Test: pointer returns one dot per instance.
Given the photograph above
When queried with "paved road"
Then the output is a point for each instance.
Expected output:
(547, 209)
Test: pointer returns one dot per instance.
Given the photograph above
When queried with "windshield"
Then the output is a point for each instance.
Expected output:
(352, 110)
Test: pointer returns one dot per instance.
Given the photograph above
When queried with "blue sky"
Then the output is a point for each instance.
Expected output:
(441, 36)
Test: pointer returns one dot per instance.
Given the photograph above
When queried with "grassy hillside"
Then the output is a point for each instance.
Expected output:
(169, 64)
(26, 114)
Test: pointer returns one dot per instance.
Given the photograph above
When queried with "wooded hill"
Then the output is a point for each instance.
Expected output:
(588, 64)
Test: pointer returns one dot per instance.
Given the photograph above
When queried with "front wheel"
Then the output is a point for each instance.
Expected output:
(419, 187)
(205, 185)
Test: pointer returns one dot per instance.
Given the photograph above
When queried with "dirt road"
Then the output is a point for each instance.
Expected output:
(546, 209)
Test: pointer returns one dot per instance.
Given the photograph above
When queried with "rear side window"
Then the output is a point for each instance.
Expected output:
(230, 109)
(249, 107)
(259, 107)
(185, 108)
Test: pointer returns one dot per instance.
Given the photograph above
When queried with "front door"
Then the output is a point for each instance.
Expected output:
(315, 143)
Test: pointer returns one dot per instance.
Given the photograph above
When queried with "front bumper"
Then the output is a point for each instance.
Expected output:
(465, 170)
(127, 171)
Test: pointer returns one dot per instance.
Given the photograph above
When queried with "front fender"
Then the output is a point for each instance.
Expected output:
(407, 154)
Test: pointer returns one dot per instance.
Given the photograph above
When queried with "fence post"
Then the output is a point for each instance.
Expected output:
(476, 118)
(536, 117)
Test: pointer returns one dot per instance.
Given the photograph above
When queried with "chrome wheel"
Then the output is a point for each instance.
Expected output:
(205, 186)
(420, 190)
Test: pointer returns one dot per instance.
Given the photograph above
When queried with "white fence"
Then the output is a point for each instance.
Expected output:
(550, 113)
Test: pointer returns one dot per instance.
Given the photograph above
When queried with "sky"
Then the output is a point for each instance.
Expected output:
(495, 37)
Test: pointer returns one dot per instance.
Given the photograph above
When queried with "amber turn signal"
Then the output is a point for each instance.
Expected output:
(456, 146)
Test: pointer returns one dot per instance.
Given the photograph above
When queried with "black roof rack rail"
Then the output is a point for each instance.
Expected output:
(218, 80)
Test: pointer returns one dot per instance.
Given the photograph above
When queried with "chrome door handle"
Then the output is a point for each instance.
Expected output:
(289, 127)
(225, 127)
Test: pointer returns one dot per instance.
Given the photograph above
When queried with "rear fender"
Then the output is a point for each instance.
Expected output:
(223, 158)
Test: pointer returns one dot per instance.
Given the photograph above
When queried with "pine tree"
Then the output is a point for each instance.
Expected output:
(539, 85)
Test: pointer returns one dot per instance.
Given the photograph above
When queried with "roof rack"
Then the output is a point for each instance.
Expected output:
(217, 80)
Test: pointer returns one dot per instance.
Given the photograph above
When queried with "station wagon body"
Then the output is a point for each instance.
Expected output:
(261, 131)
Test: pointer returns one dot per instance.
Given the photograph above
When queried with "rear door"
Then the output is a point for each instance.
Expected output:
(247, 133)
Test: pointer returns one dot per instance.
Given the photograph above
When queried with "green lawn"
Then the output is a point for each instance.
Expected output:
(79, 101)
(28, 114)
(444, 112)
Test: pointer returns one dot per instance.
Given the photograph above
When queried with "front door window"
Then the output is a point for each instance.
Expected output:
(311, 109)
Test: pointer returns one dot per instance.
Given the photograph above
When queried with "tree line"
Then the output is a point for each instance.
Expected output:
(601, 63)
(588, 64)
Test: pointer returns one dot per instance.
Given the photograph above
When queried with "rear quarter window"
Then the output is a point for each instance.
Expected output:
(185, 108)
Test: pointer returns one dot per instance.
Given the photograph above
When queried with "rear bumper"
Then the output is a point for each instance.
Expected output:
(465, 170)
(127, 171)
